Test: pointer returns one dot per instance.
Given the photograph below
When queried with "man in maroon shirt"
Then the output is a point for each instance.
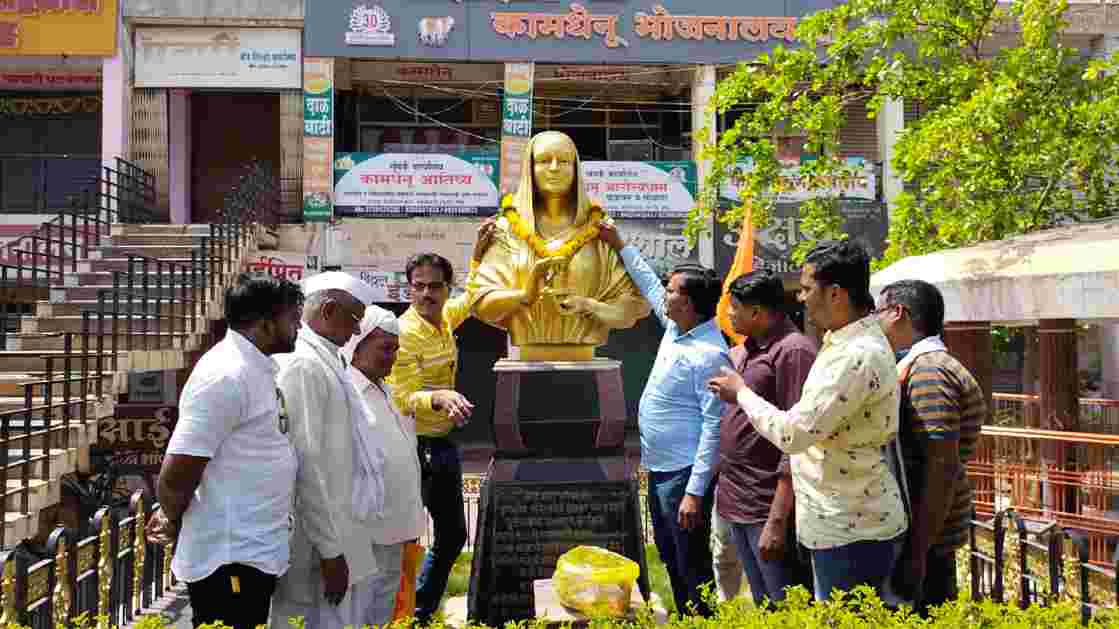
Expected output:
(755, 488)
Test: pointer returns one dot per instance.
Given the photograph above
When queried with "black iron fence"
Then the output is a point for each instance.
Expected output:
(1042, 572)
(112, 572)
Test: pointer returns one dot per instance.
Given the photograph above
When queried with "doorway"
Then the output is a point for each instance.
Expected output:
(227, 132)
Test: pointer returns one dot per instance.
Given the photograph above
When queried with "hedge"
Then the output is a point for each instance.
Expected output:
(860, 609)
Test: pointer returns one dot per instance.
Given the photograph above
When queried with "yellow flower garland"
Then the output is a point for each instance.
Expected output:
(541, 247)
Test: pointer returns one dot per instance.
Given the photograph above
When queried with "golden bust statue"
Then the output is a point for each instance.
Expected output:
(547, 279)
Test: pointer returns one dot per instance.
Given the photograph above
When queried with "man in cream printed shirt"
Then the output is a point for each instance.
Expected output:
(849, 510)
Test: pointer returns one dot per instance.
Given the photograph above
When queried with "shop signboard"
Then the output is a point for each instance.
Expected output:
(642, 189)
(864, 221)
(74, 28)
(516, 121)
(204, 57)
(69, 78)
(415, 184)
(318, 139)
(661, 242)
(560, 31)
(288, 265)
(862, 184)
(376, 251)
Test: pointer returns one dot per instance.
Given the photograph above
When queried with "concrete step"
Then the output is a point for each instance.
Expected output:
(139, 340)
(105, 278)
(89, 291)
(77, 435)
(24, 361)
(150, 251)
(182, 239)
(98, 408)
(19, 526)
(129, 229)
(12, 384)
(125, 324)
(62, 461)
(175, 266)
(44, 309)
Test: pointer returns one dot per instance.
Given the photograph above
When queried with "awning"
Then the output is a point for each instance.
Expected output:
(1063, 273)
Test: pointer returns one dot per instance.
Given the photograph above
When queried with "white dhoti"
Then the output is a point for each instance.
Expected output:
(368, 603)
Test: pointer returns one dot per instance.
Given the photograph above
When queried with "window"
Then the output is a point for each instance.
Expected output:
(44, 160)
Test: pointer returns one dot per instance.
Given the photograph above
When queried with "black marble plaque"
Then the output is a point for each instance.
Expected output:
(524, 527)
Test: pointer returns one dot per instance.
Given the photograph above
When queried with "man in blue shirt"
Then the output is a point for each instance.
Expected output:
(679, 418)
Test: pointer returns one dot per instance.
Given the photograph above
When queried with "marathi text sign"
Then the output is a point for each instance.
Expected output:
(376, 251)
(564, 32)
(516, 121)
(286, 265)
(58, 27)
(318, 139)
(403, 184)
(661, 242)
(864, 221)
(861, 184)
(195, 57)
(642, 189)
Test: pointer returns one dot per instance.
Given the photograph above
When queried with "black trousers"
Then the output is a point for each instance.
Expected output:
(235, 594)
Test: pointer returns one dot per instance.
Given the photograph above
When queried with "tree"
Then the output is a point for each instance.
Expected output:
(1016, 137)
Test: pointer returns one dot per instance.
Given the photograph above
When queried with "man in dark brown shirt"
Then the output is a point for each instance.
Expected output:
(755, 488)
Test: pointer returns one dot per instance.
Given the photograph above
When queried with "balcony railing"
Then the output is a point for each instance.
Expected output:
(1024, 411)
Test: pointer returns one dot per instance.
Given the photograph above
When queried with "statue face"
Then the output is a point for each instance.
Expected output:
(553, 164)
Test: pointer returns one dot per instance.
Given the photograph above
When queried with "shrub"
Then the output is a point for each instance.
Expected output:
(860, 609)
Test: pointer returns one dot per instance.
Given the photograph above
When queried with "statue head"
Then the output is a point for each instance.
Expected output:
(550, 167)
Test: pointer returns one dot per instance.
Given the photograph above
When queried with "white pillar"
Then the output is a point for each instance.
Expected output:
(891, 122)
(178, 147)
(704, 122)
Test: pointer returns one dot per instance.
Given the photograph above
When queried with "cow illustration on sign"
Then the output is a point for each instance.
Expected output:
(434, 31)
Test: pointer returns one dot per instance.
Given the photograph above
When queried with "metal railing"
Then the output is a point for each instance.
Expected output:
(114, 572)
(1042, 575)
(132, 303)
(1018, 410)
(1069, 478)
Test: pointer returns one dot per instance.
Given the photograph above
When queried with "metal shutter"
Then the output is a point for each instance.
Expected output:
(859, 138)
(291, 154)
(148, 142)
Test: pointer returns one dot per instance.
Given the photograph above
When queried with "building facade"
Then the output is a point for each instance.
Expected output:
(52, 59)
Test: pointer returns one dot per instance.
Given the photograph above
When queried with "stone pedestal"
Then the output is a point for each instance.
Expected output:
(558, 479)
(559, 408)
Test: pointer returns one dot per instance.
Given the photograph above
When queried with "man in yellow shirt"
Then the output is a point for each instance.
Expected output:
(423, 385)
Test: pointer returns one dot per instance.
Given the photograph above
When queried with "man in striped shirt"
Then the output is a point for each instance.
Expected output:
(423, 384)
(942, 409)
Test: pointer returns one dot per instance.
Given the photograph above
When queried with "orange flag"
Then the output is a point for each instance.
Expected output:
(743, 263)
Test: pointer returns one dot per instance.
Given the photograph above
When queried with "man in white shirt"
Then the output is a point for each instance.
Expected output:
(371, 355)
(229, 472)
(849, 510)
(338, 496)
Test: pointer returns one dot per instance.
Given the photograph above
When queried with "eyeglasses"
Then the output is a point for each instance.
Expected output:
(433, 287)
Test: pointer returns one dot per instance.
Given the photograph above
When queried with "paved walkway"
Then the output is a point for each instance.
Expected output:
(174, 607)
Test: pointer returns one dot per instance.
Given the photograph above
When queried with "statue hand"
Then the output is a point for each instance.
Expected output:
(539, 273)
(486, 232)
(608, 233)
(577, 304)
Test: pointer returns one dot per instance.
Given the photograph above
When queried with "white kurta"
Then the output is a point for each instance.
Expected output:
(322, 406)
(404, 519)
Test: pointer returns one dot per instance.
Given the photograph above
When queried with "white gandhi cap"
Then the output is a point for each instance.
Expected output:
(337, 280)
